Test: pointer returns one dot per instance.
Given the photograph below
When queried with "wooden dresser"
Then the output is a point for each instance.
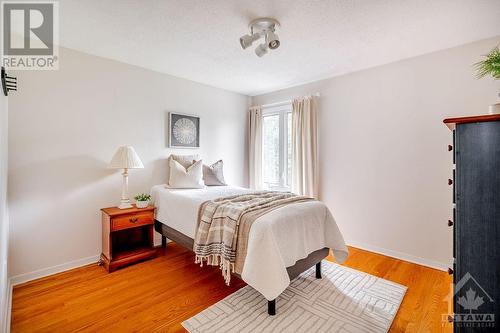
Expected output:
(476, 222)
(127, 236)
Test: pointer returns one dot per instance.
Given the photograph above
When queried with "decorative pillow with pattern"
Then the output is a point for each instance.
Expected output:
(213, 174)
(181, 177)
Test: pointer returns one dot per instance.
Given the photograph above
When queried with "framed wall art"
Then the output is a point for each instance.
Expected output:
(184, 130)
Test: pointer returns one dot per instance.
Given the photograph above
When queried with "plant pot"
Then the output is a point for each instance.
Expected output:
(495, 108)
(141, 204)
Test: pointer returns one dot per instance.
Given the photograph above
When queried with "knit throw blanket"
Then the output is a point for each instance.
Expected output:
(224, 224)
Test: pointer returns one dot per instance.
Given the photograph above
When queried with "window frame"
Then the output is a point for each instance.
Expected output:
(282, 110)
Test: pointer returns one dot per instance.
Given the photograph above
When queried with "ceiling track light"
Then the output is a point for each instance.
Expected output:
(263, 27)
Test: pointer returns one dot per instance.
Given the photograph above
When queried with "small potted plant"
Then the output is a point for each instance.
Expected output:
(490, 66)
(142, 200)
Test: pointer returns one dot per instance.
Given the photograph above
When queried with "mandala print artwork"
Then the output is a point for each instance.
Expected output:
(184, 131)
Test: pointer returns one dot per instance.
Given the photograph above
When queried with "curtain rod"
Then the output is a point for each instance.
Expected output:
(287, 101)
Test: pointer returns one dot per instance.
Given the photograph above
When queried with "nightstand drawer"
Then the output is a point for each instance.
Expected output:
(131, 221)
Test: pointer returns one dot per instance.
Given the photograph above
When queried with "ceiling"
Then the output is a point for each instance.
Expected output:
(198, 39)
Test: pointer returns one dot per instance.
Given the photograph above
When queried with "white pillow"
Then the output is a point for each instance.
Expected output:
(185, 160)
(180, 177)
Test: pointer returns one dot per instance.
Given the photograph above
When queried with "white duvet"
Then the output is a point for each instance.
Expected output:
(276, 241)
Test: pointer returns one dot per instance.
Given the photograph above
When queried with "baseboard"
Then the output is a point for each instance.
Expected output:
(6, 311)
(26, 277)
(4, 296)
(22, 278)
(9, 307)
(157, 239)
(402, 256)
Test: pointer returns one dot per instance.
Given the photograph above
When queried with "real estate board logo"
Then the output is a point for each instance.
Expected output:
(472, 299)
(30, 35)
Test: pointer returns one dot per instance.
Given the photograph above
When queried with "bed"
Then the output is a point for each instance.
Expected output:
(282, 243)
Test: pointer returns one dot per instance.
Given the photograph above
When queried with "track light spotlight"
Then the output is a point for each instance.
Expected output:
(262, 27)
(261, 50)
(248, 40)
(272, 40)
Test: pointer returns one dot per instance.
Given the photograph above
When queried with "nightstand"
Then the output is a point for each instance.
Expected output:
(127, 236)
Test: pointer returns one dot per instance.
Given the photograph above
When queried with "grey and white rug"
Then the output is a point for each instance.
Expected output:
(344, 300)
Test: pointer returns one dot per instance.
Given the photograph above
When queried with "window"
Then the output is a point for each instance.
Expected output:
(277, 147)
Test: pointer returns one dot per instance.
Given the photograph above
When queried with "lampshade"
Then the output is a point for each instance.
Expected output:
(126, 158)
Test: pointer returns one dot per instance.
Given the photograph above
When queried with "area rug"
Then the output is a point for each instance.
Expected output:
(344, 300)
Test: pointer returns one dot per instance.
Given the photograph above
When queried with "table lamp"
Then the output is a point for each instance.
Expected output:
(125, 158)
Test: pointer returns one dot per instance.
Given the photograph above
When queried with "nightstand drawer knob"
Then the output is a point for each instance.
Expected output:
(450, 181)
(450, 223)
(450, 147)
(133, 220)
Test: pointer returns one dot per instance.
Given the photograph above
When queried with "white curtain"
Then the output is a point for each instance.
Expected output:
(305, 146)
(255, 147)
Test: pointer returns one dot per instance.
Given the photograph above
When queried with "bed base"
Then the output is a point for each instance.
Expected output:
(300, 266)
(271, 305)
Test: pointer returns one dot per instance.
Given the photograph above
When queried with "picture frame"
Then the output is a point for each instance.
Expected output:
(183, 130)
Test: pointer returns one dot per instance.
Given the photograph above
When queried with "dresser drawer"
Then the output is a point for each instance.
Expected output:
(131, 221)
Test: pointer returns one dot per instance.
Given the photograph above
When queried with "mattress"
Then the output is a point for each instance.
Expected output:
(178, 208)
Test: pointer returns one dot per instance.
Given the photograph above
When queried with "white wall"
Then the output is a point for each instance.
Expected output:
(65, 126)
(383, 153)
(4, 221)
(383, 148)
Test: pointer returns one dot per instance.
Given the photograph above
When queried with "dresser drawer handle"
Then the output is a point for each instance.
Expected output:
(450, 181)
(450, 223)
(450, 271)
(133, 220)
(450, 147)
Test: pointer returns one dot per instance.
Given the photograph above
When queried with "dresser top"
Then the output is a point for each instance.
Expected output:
(114, 211)
(451, 122)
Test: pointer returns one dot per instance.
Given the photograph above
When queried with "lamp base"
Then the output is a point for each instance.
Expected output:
(124, 204)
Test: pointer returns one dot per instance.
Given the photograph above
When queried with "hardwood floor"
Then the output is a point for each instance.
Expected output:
(157, 295)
